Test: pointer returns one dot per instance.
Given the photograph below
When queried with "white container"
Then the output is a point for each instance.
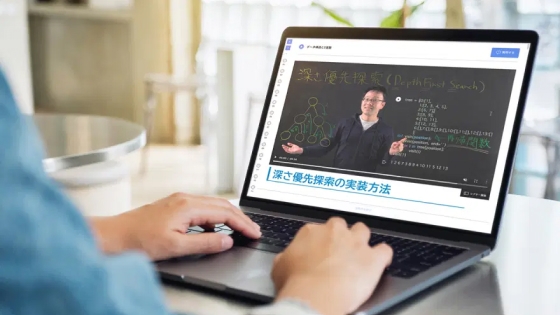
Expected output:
(110, 4)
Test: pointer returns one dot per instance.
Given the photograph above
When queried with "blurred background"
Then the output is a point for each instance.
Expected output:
(194, 73)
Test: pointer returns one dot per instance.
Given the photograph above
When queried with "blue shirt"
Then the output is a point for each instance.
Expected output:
(49, 261)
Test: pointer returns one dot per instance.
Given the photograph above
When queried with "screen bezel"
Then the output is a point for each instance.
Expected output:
(455, 35)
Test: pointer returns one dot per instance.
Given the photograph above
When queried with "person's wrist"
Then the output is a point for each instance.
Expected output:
(113, 234)
(127, 233)
(315, 292)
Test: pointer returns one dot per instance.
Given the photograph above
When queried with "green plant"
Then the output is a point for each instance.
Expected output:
(396, 18)
(335, 16)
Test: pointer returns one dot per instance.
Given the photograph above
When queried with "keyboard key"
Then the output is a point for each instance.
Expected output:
(196, 228)
(266, 233)
(281, 236)
(226, 232)
(404, 274)
(452, 251)
(261, 244)
(266, 240)
(411, 257)
(426, 263)
(392, 270)
(225, 227)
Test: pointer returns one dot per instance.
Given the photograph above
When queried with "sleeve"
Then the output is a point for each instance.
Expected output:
(388, 140)
(284, 307)
(49, 258)
(318, 149)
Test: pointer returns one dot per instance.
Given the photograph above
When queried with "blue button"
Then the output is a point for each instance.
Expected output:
(505, 52)
(289, 41)
(301, 46)
(288, 47)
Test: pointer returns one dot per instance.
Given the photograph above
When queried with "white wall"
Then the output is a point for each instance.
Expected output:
(14, 50)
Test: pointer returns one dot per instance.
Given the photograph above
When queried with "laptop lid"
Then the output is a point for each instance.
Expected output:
(404, 129)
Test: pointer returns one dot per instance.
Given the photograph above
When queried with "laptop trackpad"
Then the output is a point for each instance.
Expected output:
(239, 268)
(257, 283)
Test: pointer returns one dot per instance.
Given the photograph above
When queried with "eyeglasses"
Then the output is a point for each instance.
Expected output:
(375, 100)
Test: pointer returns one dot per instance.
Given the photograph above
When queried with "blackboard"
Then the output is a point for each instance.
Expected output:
(453, 118)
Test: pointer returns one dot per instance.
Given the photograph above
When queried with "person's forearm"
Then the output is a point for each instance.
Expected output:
(111, 234)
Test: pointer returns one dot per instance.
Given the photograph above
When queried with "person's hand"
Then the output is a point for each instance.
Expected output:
(397, 147)
(159, 228)
(291, 148)
(330, 267)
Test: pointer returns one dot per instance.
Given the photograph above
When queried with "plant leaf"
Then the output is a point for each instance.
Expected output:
(332, 14)
(415, 7)
(393, 20)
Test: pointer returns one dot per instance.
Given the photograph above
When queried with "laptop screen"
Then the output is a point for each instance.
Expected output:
(408, 130)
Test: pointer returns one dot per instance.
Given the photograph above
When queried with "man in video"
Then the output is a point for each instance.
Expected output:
(363, 142)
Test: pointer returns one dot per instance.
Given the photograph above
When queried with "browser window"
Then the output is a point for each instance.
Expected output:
(408, 130)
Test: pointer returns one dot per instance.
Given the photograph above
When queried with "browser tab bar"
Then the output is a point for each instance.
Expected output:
(409, 51)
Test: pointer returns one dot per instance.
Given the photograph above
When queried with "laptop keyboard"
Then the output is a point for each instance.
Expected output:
(410, 257)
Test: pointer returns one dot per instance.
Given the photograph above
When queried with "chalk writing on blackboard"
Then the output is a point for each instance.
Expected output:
(311, 125)
(395, 81)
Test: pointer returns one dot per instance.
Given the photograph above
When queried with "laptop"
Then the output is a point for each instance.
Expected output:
(411, 131)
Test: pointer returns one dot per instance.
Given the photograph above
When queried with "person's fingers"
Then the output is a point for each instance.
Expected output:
(216, 201)
(361, 231)
(380, 259)
(307, 227)
(280, 271)
(218, 214)
(336, 223)
(244, 216)
(225, 203)
(241, 213)
(290, 144)
(203, 243)
(211, 200)
(171, 198)
(383, 255)
(277, 258)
